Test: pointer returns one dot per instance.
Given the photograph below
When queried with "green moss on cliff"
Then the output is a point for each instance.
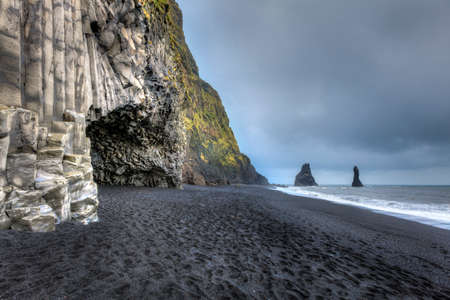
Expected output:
(213, 154)
(160, 5)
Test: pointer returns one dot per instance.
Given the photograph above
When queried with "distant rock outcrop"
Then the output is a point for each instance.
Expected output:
(356, 181)
(305, 178)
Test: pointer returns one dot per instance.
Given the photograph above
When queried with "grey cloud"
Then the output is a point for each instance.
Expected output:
(331, 82)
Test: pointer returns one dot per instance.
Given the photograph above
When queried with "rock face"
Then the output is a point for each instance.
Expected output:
(146, 144)
(138, 138)
(305, 178)
(104, 90)
(46, 174)
(356, 181)
(69, 65)
(48, 82)
(213, 155)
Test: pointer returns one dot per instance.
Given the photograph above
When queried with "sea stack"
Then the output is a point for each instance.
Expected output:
(305, 178)
(356, 181)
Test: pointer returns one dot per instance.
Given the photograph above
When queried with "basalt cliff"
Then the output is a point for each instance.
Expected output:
(102, 91)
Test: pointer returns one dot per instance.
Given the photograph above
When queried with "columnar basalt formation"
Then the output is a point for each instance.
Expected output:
(356, 181)
(305, 177)
(69, 65)
(46, 174)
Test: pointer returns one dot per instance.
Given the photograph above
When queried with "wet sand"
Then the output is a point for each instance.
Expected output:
(232, 242)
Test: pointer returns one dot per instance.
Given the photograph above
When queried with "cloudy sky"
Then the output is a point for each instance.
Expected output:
(333, 83)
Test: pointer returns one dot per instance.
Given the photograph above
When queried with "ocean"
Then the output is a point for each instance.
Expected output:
(424, 204)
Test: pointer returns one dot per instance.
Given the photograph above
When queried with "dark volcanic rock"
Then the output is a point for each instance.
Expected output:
(143, 45)
(213, 172)
(305, 178)
(356, 181)
(141, 142)
(130, 147)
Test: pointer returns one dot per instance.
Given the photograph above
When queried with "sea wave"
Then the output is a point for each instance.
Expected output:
(437, 215)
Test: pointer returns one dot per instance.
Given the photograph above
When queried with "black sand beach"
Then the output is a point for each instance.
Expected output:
(226, 243)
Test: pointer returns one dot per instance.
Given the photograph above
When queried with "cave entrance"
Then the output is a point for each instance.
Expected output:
(130, 147)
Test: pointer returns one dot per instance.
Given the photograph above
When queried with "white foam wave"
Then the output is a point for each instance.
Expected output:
(437, 215)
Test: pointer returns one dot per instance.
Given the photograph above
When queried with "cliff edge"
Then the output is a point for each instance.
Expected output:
(213, 155)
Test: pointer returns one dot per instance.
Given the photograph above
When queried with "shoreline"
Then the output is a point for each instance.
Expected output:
(410, 215)
(415, 241)
(359, 215)
(234, 242)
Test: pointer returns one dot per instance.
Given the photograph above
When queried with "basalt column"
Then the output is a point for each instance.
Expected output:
(48, 70)
(32, 56)
(10, 52)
